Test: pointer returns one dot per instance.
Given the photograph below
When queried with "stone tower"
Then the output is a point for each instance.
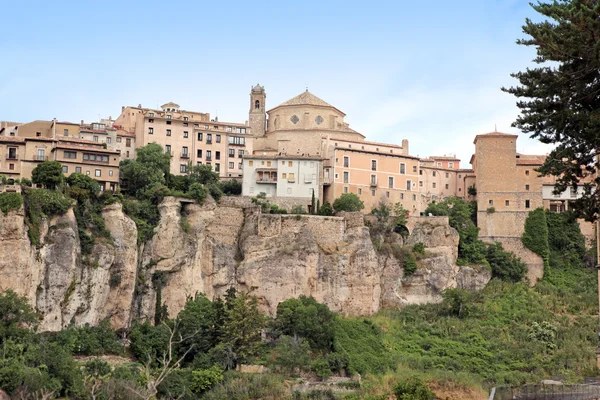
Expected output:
(257, 114)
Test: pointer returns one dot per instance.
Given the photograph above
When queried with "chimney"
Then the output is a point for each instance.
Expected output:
(405, 145)
(139, 106)
(81, 122)
(122, 108)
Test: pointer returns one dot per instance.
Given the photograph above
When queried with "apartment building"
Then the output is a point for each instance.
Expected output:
(107, 132)
(23, 147)
(192, 138)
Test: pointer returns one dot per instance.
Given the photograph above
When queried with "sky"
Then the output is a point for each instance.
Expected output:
(429, 72)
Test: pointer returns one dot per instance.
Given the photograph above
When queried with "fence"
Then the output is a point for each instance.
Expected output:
(546, 392)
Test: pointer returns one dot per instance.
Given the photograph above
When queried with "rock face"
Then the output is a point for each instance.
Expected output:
(210, 248)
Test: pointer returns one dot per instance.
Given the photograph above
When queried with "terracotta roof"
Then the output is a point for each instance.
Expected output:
(444, 158)
(83, 148)
(382, 153)
(77, 140)
(495, 134)
(12, 139)
(282, 157)
(121, 132)
(530, 160)
(306, 99)
(363, 142)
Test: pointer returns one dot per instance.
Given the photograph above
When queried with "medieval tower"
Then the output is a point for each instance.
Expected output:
(257, 115)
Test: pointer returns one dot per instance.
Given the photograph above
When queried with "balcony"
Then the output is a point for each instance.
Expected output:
(373, 183)
(266, 176)
(12, 157)
(40, 158)
(208, 158)
(208, 141)
(185, 155)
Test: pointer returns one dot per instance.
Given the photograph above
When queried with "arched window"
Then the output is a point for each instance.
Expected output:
(257, 104)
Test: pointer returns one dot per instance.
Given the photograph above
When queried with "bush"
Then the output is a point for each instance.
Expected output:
(40, 203)
(231, 187)
(326, 209)
(148, 342)
(412, 389)
(10, 201)
(348, 202)
(505, 265)
(81, 181)
(307, 318)
(49, 174)
(409, 264)
(298, 210)
(535, 235)
(215, 191)
(419, 248)
(291, 355)
(205, 379)
(90, 340)
(461, 303)
(198, 192)
(361, 343)
(237, 386)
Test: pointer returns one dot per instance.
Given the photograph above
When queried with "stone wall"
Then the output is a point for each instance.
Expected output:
(287, 203)
(535, 263)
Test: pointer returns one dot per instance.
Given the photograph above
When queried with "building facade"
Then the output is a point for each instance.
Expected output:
(192, 138)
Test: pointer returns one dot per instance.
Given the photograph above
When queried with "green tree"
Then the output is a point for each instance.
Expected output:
(535, 234)
(413, 389)
(198, 192)
(505, 265)
(291, 354)
(461, 303)
(326, 209)
(16, 316)
(150, 168)
(306, 318)
(49, 174)
(348, 202)
(203, 174)
(559, 99)
(231, 187)
(84, 182)
(197, 324)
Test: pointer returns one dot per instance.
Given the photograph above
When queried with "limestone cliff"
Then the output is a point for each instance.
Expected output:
(210, 248)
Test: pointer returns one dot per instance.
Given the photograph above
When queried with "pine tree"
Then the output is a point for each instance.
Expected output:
(560, 99)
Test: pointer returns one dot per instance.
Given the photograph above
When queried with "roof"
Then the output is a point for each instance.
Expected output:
(281, 157)
(306, 99)
(83, 148)
(530, 160)
(77, 140)
(12, 139)
(121, 132)
(170, 105)
(495, 134)
(447, 158)
(381, 153)
(332, 139)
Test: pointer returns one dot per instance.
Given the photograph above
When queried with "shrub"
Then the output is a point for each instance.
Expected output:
(419, 248)
(10, 201)
(81, 181)
(348, 202)
(291, 354)
(505, 265)
(204, 379)
(321, 368)
(307, 318)
(198, 192)
(40, 203)
(237, 386)
(412, 389)
(409, 264)
(535, 235)
(231, 187)
(49, 174)
(361, 343)
(326, 209)
(215, 191)
(298, 210)
(461, 303)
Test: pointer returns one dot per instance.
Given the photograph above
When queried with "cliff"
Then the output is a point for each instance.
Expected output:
(210, 248)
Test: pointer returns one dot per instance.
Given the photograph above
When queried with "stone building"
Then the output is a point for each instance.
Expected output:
(192, 138)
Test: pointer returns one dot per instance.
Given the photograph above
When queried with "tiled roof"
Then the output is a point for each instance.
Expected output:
(530, 160)
(84, 148)
(444, 158)
(12, 139)
(77, 140)
(121, 132)
(306, 98)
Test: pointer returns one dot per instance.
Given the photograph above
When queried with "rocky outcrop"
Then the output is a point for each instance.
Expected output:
(210, 248)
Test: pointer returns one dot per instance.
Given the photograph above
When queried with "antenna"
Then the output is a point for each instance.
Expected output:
(495, 129)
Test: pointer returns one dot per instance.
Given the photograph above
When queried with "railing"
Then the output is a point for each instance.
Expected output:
(185, 155)
(208, 141)
(266, 180)
(373, 183)
(40, 158)
(12, 157)
(546, 392)
(208, 158)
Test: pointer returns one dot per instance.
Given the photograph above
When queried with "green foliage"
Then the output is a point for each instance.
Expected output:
(409, 264)
(198, 192)
(535, 235)
(237, 386)
(471, 250)
(16, 316)
(326, 209)
(505, 265)
(545, 333)
(148, 169)
(197, 323)
(321, 368)
(308, 319)
(203, 174)
(419, 248)
(40, 203)
(215, 191)
(10, 201)
(49, 174)
(461, 303)
(348, 202)
(97, 368)
(148, 342)
(558, 97)
(231, 187)
(291, 355)
(84, 182)
(90, 340)
(360, 342)
(413, 389)
(472, 190)
(205, 379)
(298, 210)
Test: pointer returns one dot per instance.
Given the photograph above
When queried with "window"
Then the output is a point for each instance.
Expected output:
(446, 186)
(208, 155)
(573, 192)
(95, 138)
(460, 189)
(250, 163)
(65, 169)
(346, 162)
(11, 166)
(151, 114)
(183, 168)
(447, 175)
(119, 139)
(387, 194)
(66, 132)
(185, 118)
(414, 168)
(199, 136)
(128, 143)
(231, 152)
(199, 153)
(150, 121)
(433, 173)
(67, 154)
(218, 138)
(217, 167)
(78, 170)
(433, 185)
(217, 155)
(237, 140)
(184, 151)
(420, 172)
(208, 138)
(215, 127)
(257, 104)
(408, 185)
(527, 172)
(228, 129)
(98, 172)
(507, 203)
(290, 163)
(373, 165)
(391, 182)
(414, 197)
(284, 176)
(373, 192)
(168, 148)
(401, 196)
(185, 134)
(150, 131)
(526, 187)
(359, 191)
(240, 165)
(240, 153)
(231, 165)
(491, 202)
(108, 140)
(168, 132)
(110, 173)
(373, 180)
(168, 117)
(420, 183)
(459, 176)
(402, 168)
(346, 177)
(291, 177)
(527, 204)
(439, 164)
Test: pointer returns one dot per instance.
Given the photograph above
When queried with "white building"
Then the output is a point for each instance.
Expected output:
(281, 176)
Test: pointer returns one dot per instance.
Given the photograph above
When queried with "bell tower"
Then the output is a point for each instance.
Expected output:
(257, 115)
